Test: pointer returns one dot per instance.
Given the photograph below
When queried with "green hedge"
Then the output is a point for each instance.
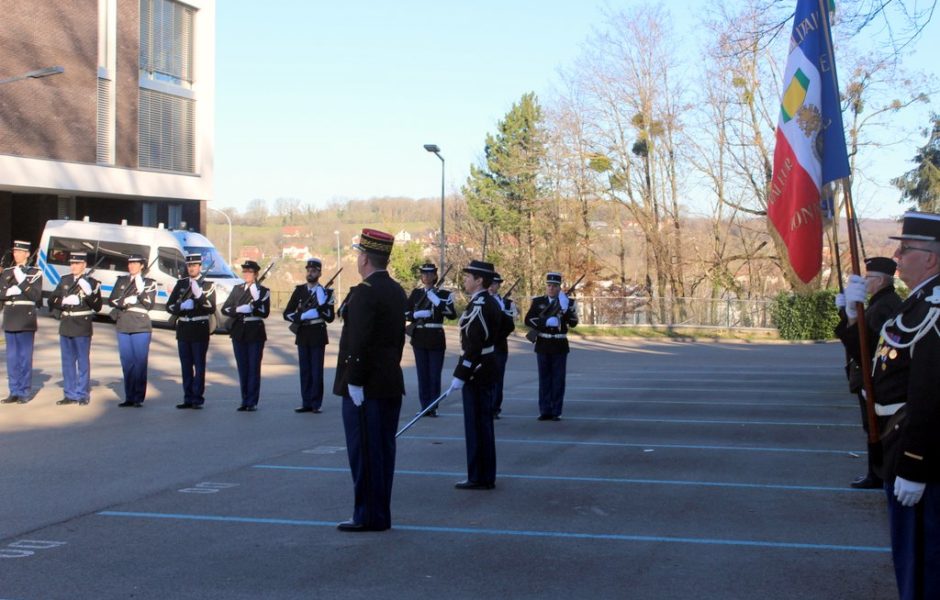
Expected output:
(810, 316)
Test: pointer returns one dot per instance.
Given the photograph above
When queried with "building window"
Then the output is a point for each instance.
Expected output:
(149, 214)
(166, 132)
(166, 41)
(174, 216)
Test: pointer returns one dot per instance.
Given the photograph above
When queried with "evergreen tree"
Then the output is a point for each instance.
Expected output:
(922, 183)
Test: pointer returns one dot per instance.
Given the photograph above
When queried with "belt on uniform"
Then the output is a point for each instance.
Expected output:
(886, 410)
(310, 322)
(488, 350)
(553, 336)
(430, 326)
(77, 313)
(194, 319)
(138, 309)
(250, 319)
(20, 303)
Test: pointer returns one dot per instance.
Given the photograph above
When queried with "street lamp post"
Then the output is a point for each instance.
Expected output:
(224, 214)
(436, 150)
(45, 72)
(339, 265)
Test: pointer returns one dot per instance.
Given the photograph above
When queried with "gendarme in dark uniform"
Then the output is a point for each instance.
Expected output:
(247, 307)
(906, 382)
(192, 301)
(20, 297)
(476, 375)
(427, 309)
(132, 299)
(508, 325)
(884, 303)
(550, 316)
(309, 309)
(370, 380)
(77, 298)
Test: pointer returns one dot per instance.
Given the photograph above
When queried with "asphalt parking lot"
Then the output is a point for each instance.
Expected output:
(678, 470)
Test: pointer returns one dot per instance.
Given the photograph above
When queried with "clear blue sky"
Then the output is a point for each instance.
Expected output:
(327, 100)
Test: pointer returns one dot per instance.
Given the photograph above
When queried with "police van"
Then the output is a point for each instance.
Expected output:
(108, 246)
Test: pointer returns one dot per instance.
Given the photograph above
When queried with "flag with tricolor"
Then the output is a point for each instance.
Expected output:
(810, 149)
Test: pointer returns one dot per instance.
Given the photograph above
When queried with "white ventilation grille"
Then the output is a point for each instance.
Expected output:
(104, 153)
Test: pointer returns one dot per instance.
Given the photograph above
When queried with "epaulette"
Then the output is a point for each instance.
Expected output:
(366, 283)
(480, 301)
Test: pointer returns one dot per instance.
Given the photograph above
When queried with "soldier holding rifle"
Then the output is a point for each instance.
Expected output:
(192, 302)
(247, 307)
(549, 318)
(370, 380)
(428, 306)
(20, 296)
(507, 325)
(309, 309)
(76, 299)
(132, 298)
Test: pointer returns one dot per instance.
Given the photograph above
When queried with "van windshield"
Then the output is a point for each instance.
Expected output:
(212, 261)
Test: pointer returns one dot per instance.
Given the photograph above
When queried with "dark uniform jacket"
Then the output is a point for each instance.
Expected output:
(192, 325)
(551, 340)
(908, 371)
(480, 326)
(373, 337)
(311, 332)
(76, 320)
(132, 318)
(881, 307)
(429, 332)
(507, 324)
(247, 327)
(20, 310)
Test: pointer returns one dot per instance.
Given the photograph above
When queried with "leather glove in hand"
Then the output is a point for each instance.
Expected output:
(456, 384)
(307, 315)
(563, 301)
(840, 300)
(357, 395)
(908, 492)
(19, 274)
(139, 282)
(130, 300)
(552, 322)
(435, 300)
(422, 314)
(321, 296)
(196, 288)
(244, 309)
(187, 304)
(854, 292)
(14, 290)
(71, 300)
(254, 291)
(84, 285)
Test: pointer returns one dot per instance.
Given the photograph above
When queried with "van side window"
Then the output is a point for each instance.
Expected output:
(113, 255)
(171, 262)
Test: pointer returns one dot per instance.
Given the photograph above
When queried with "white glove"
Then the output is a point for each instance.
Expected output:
(19, 274)
(71, 300)
(854, 292)
(310, 314)
(321, 296)
(196, 288)
(422, 314)
(456, 384)
(254, 291)
(130, 300)
(840, 300)
(357, 394)
(244, 309)
(187, 304)
(552, 322)
(139, 282)
(563, 301)
(908, 492)
(433, 298)
(14, 290)
(84, 285)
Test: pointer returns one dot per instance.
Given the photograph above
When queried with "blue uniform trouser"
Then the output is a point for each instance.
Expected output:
(370, 444)
(501, 359)
(248, 358)
(20, 362)
(311, 375)
(552, 369)
(915, 543)
(193, 364)
(478, 429)
(76, 370)
(429, 364)
(134, 349)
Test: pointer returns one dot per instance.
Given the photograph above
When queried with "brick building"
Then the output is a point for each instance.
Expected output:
(124, 131)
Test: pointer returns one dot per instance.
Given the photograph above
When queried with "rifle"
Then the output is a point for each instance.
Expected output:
(74, 288)
(246, 295)
(308, 303)
(424, 304)
(188, 294)
(509, 293)
(127, 288)
(552, 310)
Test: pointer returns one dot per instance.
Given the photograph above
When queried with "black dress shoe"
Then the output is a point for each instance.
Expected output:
(127, 403)
(242, 408)
(556, 418)
(184, 405)
(545, 417)
(351, 526)
(432, 413)
(65, 401)
(22, 400)
(11, 399)
(138, 405)
(316, 411)
(303, 409)
(84, 402)
(868, 482)
(470, 485)
(251, 408)
(496, 416)
(196, 407)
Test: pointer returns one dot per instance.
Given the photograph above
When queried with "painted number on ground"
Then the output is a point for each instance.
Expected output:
(208, 487)
(25, 548)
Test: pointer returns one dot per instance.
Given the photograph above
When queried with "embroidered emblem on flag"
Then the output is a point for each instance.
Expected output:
(794, 97)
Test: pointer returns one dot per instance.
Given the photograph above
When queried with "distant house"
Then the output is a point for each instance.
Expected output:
(292, 231)
(250, 253)
(402, 236)
(296, 252)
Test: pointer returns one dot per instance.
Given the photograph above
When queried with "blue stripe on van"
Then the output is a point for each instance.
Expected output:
(51, 274)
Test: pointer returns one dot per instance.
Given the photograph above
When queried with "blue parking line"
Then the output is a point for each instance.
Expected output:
(502, 440)
(681, 421)
(761, 391)
(509, 532)
(709, 403)
(714, 484)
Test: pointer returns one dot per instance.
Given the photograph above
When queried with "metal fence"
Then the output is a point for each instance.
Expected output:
(676, 312)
